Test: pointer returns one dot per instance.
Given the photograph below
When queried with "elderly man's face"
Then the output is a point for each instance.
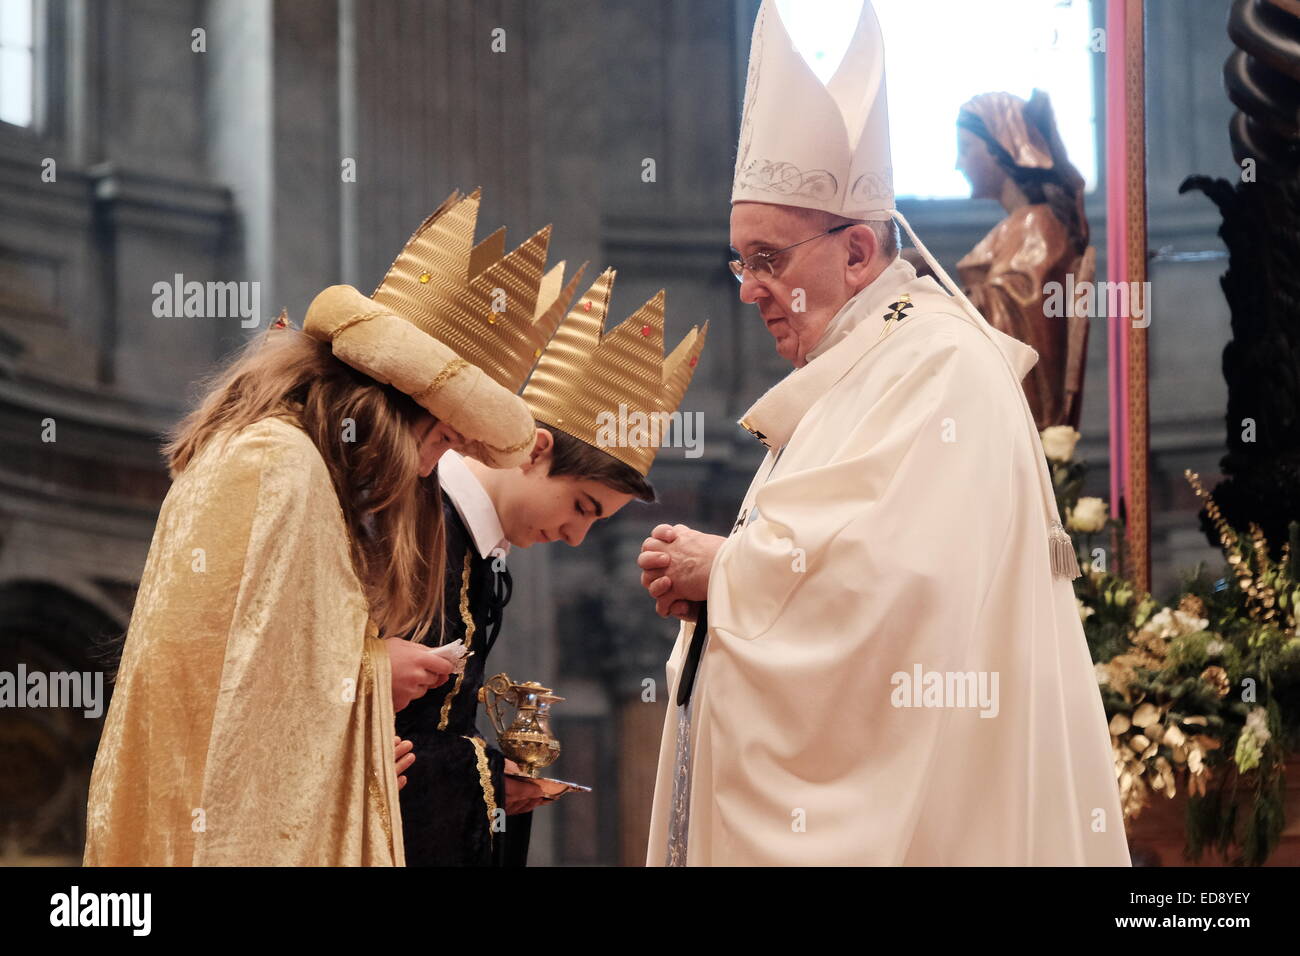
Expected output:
(812, 281)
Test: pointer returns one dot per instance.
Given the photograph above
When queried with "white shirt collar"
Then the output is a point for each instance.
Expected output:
(472, 503)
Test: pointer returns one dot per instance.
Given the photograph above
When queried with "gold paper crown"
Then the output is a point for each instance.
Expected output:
(496, 311)
(585, 377)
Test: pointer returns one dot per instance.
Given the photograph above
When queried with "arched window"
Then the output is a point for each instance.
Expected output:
(47, 750)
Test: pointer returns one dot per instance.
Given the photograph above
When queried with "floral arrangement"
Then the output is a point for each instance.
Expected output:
(1202, 691)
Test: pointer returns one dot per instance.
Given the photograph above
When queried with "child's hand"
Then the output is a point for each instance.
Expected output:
(403, 753)
(416, 668)
(521, 795)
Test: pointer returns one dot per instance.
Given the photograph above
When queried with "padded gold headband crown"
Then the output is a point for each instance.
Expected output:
(496, 311)
(586, 380)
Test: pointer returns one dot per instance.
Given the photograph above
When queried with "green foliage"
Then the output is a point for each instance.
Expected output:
(1249, 610)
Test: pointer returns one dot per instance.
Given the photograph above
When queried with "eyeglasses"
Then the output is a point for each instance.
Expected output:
(760, 263)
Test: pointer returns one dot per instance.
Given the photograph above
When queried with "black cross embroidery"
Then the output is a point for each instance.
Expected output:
(900, 308)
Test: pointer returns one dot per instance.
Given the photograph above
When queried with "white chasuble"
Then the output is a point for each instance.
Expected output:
(893, 674)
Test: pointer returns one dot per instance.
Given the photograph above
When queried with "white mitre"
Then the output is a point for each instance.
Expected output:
(814, 145)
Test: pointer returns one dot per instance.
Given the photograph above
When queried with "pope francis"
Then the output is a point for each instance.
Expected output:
(882, 664)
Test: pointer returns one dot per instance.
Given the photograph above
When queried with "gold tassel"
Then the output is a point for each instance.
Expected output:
(1064, 562)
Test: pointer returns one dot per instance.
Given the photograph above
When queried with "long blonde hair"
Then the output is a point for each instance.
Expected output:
(393, 517)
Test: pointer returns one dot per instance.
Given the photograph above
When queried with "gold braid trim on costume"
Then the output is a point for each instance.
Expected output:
(468, 618)
(530, 440)
(376, 795)
(485, 780)
(441, 379)
(373, 789)
(355, 320)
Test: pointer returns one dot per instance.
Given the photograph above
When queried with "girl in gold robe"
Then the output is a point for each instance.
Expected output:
(252, 720)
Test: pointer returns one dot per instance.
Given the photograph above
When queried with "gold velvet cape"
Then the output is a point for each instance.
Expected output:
(252, 719)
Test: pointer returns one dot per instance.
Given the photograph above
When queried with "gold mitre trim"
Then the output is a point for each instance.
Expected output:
(495, 310)
(586, 375)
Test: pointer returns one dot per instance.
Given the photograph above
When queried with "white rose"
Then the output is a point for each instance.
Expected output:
(1189, 623)
(1059, 442)
(1164, 624)
(1257, 723)
(1088, 515)
(1085, 612)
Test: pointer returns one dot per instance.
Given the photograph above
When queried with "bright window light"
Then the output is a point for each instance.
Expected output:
(17, 62)
(940, 53)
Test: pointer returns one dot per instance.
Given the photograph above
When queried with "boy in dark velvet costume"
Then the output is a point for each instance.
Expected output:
(457, 794)
(457, 789)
